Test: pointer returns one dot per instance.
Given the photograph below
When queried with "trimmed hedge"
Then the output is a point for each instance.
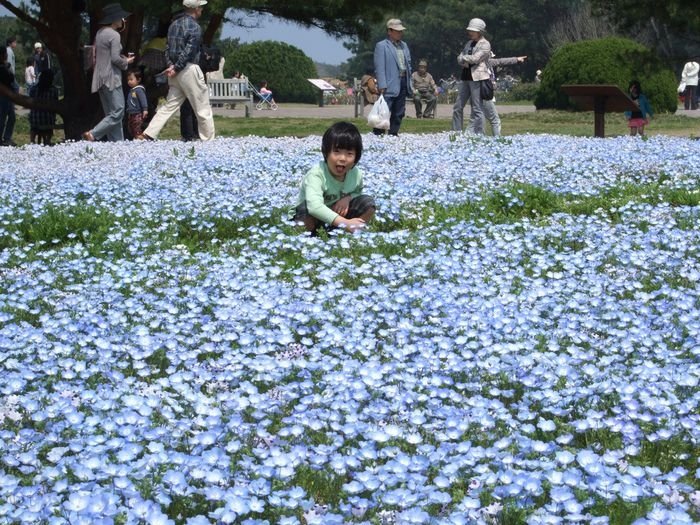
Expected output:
(285, 68)
(607, 61)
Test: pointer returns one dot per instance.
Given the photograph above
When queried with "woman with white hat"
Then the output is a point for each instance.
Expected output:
(474, 61)
(107, 75)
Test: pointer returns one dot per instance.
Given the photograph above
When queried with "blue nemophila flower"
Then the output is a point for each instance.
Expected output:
(187, 354)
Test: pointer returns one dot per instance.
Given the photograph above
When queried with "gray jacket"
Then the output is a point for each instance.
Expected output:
(109, 62)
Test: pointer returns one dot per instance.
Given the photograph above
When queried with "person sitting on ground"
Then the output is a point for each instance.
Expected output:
(331, 192)
(42, 122)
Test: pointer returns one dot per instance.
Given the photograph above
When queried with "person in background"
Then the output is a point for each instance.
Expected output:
(189, 130)
(265, 92)
(29, 75)
(368, 87)
(107, 76)
(42, 122)
(42, 62)
(424, 90)
(474, 61)
(392, 65)
(136, 103)
(185, 77)
(489, 106)
(11, 45)
(639, 118)
(689, 77)
(7, 108)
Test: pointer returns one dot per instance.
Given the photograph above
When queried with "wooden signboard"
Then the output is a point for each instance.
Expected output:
(599, 99)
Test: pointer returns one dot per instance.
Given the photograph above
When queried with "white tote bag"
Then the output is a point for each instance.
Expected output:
(379, 115)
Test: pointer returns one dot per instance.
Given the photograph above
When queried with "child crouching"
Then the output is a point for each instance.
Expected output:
(331, 192)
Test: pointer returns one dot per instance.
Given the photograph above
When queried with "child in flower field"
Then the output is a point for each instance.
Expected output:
(136, 103)
(636, 120)
(331, 192)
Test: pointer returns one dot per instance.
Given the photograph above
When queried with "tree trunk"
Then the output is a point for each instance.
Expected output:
(59, 27)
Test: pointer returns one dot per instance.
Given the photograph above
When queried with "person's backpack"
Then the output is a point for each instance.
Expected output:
(209, 58)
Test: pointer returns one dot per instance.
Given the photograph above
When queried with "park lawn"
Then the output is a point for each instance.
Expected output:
(544, 121)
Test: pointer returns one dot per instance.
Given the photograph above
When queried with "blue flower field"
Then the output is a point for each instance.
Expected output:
(515, 339)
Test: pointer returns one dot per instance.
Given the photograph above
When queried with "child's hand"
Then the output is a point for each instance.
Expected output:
(145, 113)
(353, 225)
(342, 206)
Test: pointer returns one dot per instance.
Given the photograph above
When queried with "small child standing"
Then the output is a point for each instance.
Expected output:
(636, 120)
(331, 192)
(136, 103)
(42, 122)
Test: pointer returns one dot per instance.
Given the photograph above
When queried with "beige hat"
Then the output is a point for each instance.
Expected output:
(193, 3)
(395, 24)
(476, 24)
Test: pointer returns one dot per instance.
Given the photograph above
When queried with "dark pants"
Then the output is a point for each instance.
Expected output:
(189, 130)
(691, 97)
(397, 107)
(7, 120)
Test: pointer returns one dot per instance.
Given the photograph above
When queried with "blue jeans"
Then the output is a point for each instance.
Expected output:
(7, 119)
(113, 107)
(397, 107)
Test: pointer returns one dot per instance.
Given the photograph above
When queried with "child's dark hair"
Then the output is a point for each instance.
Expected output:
(30, 61)
(344, 135)
(138, 75)
(263, 83)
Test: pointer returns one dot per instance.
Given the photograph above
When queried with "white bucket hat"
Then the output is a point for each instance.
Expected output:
(476, 24)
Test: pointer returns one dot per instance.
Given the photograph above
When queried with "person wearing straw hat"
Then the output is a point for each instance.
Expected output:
(107, 75)
(474, 61)
(392, 66)
(185, 77)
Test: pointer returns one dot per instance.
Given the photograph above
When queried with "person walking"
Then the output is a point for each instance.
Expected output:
(689, 77)
(107, 76)
(392, 66)
(7, 108)
(185, 77)
(474, 61)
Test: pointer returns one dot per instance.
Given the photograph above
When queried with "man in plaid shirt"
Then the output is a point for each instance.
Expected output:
(185, 78)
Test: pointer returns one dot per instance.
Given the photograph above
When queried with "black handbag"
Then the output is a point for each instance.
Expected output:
(486, 88)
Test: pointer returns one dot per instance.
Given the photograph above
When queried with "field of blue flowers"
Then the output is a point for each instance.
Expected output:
(516, 339)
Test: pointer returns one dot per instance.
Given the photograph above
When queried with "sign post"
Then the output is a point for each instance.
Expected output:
(323, 86)
(599, 99)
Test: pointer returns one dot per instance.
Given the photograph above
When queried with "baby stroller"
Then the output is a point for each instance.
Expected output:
(266, 100)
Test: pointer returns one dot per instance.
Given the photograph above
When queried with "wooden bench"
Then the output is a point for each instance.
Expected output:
(231, 91)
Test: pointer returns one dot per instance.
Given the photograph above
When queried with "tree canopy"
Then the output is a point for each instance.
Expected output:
(62, 24)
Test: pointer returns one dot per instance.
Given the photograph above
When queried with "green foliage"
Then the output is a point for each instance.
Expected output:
(285, 68)
(607, 61)
(522, 92)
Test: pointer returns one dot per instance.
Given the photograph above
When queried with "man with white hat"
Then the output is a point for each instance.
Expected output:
(474, 61)
(185, 77)
(392, 67)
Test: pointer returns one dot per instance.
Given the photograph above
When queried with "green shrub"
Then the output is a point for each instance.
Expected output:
(285, 68)
(524, 91)
(607, 61)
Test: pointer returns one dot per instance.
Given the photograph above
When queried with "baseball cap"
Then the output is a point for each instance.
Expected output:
(395, 24)
(38, 45)
(193, 3)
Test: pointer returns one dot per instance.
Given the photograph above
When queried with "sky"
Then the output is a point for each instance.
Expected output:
(316, 44)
